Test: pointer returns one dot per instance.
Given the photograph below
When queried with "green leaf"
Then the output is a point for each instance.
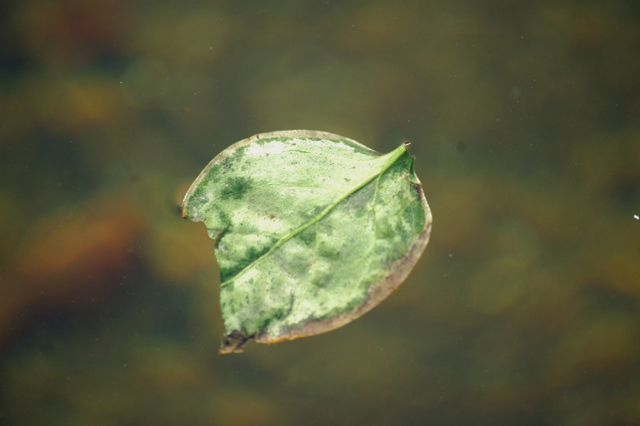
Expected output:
(312, 230)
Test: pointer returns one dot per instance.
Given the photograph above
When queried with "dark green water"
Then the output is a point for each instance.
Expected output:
(524, 118)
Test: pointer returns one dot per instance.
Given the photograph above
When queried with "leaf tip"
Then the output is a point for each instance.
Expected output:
(233, 342)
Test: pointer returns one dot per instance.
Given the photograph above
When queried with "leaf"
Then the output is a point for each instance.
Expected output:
(312, 230)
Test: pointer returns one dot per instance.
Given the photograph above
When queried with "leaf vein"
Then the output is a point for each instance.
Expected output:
(393, 157)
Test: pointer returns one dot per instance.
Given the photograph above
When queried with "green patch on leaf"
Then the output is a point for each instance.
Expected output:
(313, 230)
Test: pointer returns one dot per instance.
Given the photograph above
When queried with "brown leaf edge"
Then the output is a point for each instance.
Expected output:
(398, 273)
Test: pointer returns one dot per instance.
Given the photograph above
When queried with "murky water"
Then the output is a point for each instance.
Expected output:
(525, 123)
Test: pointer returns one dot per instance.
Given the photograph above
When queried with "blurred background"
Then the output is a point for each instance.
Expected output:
(524, 117)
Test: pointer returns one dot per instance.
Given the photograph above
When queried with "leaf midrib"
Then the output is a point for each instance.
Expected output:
(393, 156)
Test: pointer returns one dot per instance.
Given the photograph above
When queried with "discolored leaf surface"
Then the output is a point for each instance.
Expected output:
(312, 230)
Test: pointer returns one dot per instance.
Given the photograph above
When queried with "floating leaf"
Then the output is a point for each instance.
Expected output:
(312, 230)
